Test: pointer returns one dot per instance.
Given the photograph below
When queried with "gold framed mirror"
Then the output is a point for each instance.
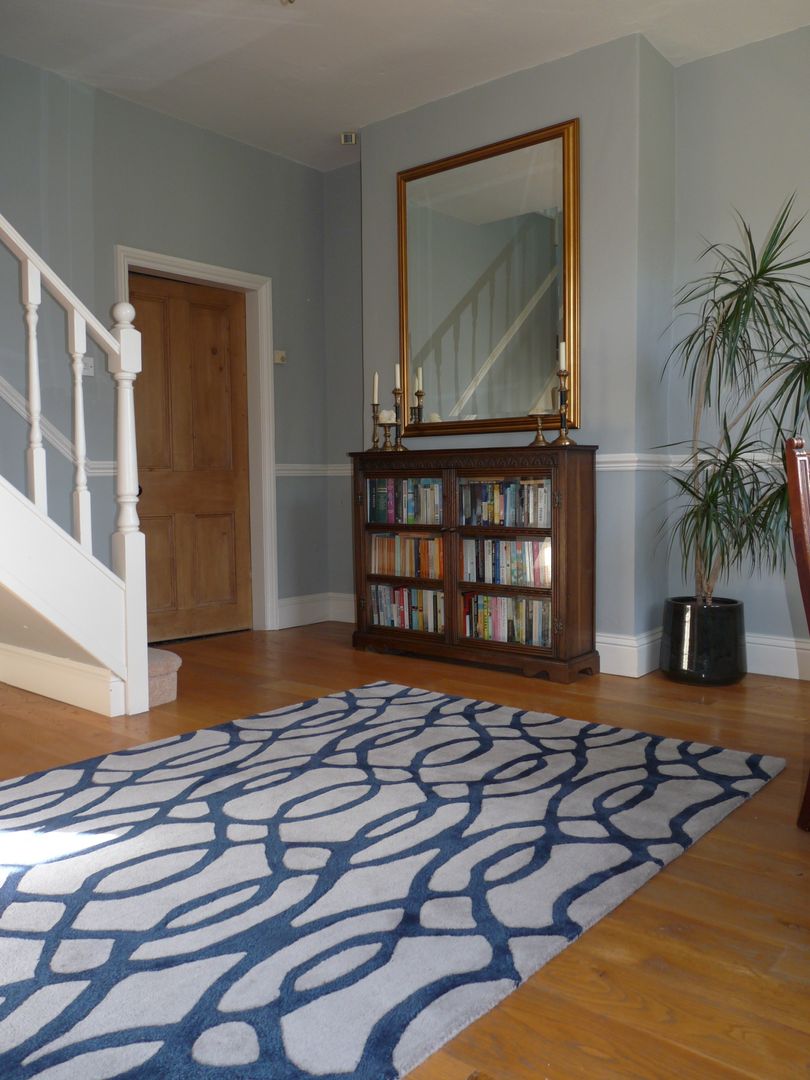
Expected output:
(489, 285)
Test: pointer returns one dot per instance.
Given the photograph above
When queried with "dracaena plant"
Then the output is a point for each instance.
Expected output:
(746, 363)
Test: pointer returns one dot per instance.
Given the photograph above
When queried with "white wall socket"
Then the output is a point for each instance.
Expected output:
(280, 356)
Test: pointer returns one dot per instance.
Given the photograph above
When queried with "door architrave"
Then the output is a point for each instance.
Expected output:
(261, 428)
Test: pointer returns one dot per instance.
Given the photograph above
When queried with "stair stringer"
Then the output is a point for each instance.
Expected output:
(61, 583)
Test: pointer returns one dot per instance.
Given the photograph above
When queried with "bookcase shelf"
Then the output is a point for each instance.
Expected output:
(510, 532)
(497, 589)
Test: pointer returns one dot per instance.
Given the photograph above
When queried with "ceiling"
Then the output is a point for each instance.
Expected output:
(288, 76)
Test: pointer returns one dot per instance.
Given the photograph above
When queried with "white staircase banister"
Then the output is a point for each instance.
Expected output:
(56, 287)
(123, 608)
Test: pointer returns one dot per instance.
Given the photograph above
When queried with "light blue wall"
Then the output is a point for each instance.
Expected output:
(656, 240)
(601, 86)
(343, 322)
(665, 155)
(90, 171)
(343, 313)
(742, 139)
(82, 171)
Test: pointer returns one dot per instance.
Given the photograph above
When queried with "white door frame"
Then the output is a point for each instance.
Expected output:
(261, 433)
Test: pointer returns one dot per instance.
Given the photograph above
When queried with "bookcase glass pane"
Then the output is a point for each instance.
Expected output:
(404, 500)
(407, 609)
(525, 561)
(517, 620)
(513, 502)
(406, 555)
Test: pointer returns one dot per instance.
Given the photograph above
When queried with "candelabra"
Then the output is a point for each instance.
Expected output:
(389, 419)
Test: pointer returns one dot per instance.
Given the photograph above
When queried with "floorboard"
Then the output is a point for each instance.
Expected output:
(704, 973)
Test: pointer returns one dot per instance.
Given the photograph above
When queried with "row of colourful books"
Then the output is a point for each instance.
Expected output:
(506, 502)
(407, 501)
(508, 562)
(514, 620)
(406, 555)
(407, 609)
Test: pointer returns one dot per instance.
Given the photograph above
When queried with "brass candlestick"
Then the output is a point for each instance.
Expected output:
(398, 414)
(387, 444)
(563, 439)
(539, 439)
(375, 416)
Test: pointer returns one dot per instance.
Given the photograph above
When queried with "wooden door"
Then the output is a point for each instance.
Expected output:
(191, 423)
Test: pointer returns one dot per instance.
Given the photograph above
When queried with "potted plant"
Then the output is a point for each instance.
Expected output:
(746, 362)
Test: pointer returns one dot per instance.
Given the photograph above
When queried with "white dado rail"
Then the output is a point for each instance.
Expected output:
(122, 348)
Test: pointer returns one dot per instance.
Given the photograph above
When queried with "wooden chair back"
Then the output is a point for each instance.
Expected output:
(798, 477)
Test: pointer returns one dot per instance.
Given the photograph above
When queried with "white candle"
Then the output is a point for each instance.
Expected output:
(396, 376)
(562, 356)
(419, 384)
(375, 392)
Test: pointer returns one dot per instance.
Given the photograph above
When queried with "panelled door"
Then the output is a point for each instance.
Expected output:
(191, 423)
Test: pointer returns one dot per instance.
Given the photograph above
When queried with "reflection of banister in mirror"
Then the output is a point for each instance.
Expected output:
(503, 344)
(489, 282)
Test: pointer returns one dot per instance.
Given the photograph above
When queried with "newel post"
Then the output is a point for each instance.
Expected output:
(128, 544)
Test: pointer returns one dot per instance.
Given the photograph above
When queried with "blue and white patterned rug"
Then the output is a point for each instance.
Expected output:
(329, 890)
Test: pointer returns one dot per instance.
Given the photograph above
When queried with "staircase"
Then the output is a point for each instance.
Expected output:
(70, 627)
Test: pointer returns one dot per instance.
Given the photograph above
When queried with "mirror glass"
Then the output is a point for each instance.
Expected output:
(489, 276)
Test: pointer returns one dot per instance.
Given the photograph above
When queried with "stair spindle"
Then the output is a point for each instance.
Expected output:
(35, 454)
(77, 346)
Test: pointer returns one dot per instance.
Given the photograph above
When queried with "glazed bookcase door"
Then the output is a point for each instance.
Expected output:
(404, 554)
(505, 560)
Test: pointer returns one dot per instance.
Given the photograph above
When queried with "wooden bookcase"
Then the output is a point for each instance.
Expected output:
(482, 555)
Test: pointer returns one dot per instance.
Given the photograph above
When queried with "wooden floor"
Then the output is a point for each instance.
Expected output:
(703, 973)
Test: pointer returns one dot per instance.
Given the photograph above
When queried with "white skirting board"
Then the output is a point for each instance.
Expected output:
(631, 655)
(628, 654)
(89, 687)
(787, 658)
(319, 607)
(783, 657)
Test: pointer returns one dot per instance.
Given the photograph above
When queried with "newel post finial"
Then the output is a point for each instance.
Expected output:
(123, 314)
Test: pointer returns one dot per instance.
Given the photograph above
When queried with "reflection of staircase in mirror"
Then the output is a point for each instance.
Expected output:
(549, 397)
(488, 308)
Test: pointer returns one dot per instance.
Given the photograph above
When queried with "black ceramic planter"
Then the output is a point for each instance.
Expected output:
(703, 643)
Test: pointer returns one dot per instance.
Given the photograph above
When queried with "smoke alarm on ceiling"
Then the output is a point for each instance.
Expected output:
(348, 138)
